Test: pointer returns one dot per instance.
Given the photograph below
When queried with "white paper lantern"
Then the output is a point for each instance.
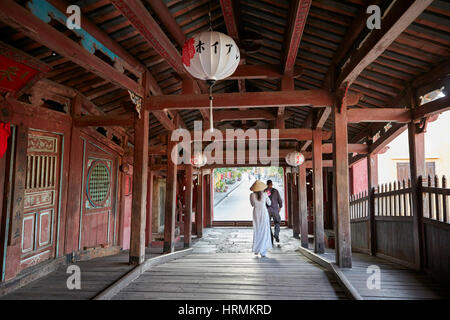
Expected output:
(295, 158)
(210, 56)
(198, 159)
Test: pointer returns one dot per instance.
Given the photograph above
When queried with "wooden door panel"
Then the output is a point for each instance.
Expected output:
(40, 197)
(99, 194)
(45, 221)
(28, 228)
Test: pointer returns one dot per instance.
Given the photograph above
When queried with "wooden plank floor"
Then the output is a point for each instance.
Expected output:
(222, 266)
(397, 282)
(219, 276)
(96, 275)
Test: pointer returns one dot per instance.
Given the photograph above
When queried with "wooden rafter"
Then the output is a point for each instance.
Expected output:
(400, 15)
(229, 15)
(20, 18)
(299, 13)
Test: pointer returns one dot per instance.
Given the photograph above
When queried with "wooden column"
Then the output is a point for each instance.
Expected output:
(341, 186)
(319, 240)
(171, 194)
(303, 204)
(372, 181)
(188, 209)
(289, 198)
(296, 206)
(140, 175)
(199, 206)
(149, 217)
(417, 168)
(208, 200)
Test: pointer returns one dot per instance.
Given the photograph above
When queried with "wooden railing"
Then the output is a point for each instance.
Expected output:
(382, 223)
(435, 199)
(393, 199)
(359, 206)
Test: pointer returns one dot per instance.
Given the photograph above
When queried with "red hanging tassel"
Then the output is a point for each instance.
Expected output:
(5, 132)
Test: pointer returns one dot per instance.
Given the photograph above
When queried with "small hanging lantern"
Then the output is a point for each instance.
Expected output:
(210, 56)
(198, 159)
(295, 158)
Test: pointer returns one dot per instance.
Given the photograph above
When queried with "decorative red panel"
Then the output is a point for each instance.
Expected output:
(18, 71)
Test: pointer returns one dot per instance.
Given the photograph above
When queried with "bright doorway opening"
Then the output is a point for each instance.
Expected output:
(232, 191)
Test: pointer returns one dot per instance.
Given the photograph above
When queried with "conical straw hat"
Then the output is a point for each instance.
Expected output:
(258, 186)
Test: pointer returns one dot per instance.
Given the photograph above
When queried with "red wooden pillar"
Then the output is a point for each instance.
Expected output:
(140, 175)
(289, 197)
(341, 187)
(296, 206)
(188, 209)
(208, 201)
(303, 204)
(199, 206)
(171, 194)
(319, 240)
(149, 219)
(372, 181)
(416, 139)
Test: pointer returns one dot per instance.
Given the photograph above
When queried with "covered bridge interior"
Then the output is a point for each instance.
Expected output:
(86, 170)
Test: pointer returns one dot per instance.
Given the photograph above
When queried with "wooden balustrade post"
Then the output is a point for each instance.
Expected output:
(140, 176)
(341, 185)
(372, 181)
(303, 204)
(171, 189)
(319, 234)
(188, 209)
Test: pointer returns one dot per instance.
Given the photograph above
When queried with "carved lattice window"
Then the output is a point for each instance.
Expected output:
(99, 182)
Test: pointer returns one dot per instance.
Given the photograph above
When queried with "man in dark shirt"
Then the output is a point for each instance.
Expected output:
(275, 208)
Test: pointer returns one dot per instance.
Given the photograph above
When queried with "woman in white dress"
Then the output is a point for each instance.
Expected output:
(261, 221)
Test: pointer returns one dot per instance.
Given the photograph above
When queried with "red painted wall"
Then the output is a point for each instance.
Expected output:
(359, 177)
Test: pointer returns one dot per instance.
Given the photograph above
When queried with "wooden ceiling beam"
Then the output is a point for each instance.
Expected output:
(21, 19)
(261, 71)
(230, 115)
(167, 19)
(104, 120)
(126, 59)
(432, 108)
(299, 13)
(299, 134)
(396, 130)
(378, 115)
(229, 15)
(400, 15)
(314, 98)
(149, 29)
(130, 61)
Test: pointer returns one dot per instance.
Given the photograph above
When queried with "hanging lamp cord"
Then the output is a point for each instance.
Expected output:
(209, 15)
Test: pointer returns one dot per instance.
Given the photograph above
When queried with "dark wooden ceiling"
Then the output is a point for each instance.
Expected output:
(421, 47)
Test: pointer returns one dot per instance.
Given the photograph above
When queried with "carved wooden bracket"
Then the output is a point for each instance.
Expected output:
(137, 100)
